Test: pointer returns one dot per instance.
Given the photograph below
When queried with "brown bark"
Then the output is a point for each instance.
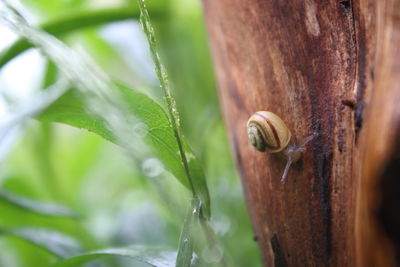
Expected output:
(326, 67)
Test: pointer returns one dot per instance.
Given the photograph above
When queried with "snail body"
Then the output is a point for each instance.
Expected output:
(267, 132)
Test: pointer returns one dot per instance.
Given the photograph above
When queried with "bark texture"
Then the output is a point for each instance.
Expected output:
(325, 67)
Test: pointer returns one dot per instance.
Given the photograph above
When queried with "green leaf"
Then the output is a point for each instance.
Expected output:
(151, 256)
(48, 209)
(58, 244)
(70, 109)
(186, 243)
(79, 20)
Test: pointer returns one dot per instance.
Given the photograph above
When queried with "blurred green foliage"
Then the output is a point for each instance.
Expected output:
(117, 205)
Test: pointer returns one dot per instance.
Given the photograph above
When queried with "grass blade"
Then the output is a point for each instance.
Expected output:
(151, 256)
(186, 242)
(56, 243)
(38, 207)
(199, 188)
(77, 21)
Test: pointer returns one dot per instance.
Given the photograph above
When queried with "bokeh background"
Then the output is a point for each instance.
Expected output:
(119, 206)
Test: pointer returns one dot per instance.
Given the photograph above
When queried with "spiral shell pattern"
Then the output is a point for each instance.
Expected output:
(267, 132)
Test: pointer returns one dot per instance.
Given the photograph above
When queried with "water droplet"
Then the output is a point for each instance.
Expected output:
(221, 224)
(140, 130)
(152, 167)
(213, 254)
(189, 156)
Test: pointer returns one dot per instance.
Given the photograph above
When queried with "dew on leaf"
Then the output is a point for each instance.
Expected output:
(152, 167)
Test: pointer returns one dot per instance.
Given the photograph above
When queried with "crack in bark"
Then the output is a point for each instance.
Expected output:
(279, 255)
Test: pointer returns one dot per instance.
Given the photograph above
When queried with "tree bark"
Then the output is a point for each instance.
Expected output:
(325, 67)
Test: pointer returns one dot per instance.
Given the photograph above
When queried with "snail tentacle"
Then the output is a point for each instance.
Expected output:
(267, 132)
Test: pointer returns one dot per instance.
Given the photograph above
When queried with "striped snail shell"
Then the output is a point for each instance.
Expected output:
(268, 132)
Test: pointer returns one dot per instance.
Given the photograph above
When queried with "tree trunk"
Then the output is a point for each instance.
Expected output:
(325, 67)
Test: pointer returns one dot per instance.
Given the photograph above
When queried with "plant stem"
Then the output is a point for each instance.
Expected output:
(164, 84)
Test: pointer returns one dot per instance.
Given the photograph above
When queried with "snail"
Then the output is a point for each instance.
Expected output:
(268, 133)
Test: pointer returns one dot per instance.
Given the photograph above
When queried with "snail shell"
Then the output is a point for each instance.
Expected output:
(268, 132)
